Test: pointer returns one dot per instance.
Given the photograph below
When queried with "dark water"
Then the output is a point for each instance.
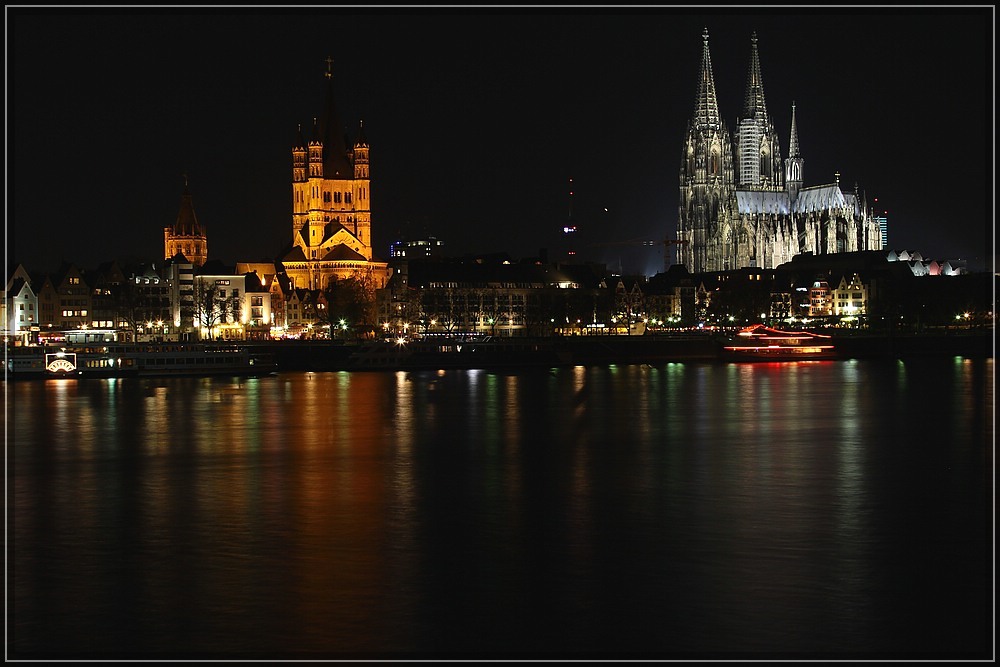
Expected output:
(826, 509)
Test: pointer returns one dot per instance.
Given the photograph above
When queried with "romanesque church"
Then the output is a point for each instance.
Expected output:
(331, 205)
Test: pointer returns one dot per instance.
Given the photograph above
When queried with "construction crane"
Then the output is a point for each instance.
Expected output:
(666, 243)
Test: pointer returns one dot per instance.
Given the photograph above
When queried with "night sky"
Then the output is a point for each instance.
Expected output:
(477, 119)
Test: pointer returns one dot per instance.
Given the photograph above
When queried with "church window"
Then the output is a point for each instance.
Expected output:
(326, 197)
(347, 197)
(336, 197)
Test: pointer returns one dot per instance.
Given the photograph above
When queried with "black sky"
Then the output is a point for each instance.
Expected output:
(477, 118)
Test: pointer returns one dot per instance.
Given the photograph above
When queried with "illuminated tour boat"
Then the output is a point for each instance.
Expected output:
(762, 343)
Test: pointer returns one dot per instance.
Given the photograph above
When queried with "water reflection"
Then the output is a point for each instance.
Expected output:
(700, 508)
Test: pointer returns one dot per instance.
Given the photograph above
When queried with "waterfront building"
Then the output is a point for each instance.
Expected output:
(494, 297)
(107, 284)
(331, 204)
(850, 297)
(257, 316)
(820, 301)
(273, 281)
(306, 312)
(220, 306)
(186, 236)
(671, 297)
(145, 307)
(179, 275)
(73, 298)
(45, 290)
(417, 248)
(19, 309)
(741, 205)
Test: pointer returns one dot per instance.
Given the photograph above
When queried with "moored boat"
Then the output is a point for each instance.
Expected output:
(762, 343)
(141, 360)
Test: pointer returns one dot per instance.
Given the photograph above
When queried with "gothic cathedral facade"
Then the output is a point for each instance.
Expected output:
(741, 205)
(331, 206)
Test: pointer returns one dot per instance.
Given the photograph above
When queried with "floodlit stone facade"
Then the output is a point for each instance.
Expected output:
(742, 206)
(331, 206)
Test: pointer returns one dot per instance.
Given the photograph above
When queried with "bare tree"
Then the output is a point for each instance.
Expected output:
(213, 307)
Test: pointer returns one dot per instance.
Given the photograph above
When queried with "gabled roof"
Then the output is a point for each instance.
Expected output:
(17, 286)
(295, 255)
(187, 222)
(215, 267)
(760, 201)
(820, 198)
(344, 253)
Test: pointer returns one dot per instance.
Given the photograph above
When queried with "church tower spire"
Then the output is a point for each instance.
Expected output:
(758, 154)
(754, 103)
(706, 110)
(336, 162)
(706, 176)
(793, 142)
(793, 165)
(331, 198)
(186, 236)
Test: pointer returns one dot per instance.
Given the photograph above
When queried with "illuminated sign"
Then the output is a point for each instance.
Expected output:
(221, 282)
(60, 362)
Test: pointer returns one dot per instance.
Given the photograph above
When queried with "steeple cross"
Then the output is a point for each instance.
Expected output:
(329, 67)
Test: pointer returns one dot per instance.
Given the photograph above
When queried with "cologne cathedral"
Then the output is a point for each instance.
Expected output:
(741, 205)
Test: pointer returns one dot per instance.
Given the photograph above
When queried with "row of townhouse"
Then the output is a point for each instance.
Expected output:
(172, 300)
(753, 294)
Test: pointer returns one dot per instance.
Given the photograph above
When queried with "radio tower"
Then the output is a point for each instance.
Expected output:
(569, 229)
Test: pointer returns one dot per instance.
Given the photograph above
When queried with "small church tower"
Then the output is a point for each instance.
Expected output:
(793, 165)
(186, 236)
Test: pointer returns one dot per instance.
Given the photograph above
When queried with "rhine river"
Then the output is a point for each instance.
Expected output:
(837, 509)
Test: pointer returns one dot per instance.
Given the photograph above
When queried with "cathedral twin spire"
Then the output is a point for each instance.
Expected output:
(706, 112)
(706, 103)
(757, 150)
(754, 103)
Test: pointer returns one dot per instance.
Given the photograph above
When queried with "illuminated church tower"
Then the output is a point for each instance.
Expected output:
(331, 203)
(706, 178)
(758, 155)
(186, 236)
